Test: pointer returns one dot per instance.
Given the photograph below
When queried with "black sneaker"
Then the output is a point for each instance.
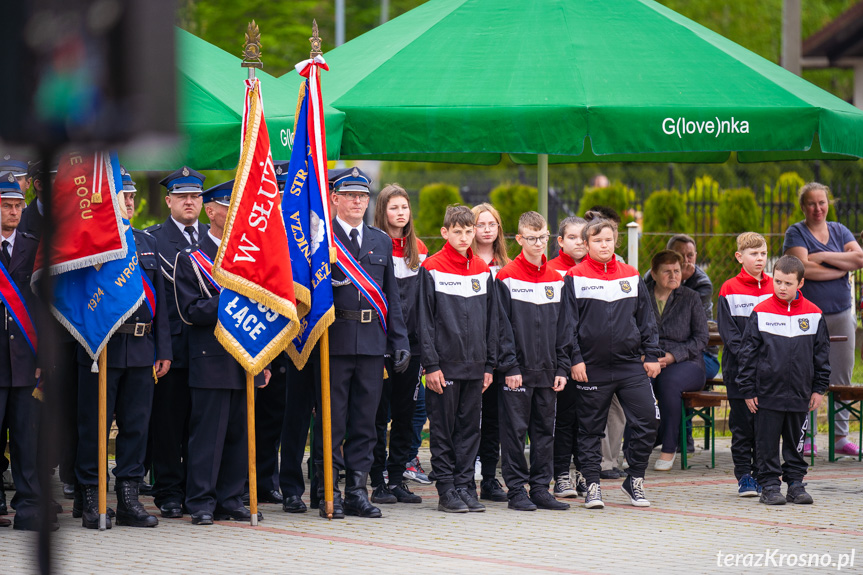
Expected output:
(797, 493)
(593, 499)
(491, 490)
(469, 498)
(519, 501)
(580, 484)
(545, 500)
(403, 494)
(634, 487)
(382, 494)
(450, 502)
(771, 496)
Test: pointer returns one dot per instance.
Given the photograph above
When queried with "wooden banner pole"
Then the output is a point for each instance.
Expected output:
(103, 438)
(253, 474)
(326, 420)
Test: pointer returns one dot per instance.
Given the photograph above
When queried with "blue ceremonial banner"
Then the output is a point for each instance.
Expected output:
(308, 227)
(250, 329)
(92, 302)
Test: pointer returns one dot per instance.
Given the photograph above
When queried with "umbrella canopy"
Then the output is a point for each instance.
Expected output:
(580, 80)
(211, 94)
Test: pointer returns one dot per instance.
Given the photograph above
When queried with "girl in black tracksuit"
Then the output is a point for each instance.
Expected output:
(490, 245)
(607, 338)
(398, 399)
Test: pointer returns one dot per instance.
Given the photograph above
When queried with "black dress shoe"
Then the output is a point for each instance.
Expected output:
(293, 504)
(56, 507)
(545, 500)
(33, 524)
(202, 518)
(270, 496)
(609, 474)
(171, 510)
(5, 522)
(68, 491)
(239, 514)
(145, 488)
(491, 490)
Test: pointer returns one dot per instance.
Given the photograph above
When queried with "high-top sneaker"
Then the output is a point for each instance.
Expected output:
(634, 487)
(593, 499)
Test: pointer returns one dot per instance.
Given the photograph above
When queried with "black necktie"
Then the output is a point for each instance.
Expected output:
(190, 231)
(7, 257)
(355, 242)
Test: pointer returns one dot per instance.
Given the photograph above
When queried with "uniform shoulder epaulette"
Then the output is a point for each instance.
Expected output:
(28, 235)
(380, 231)
(153, 228)
(188, 249)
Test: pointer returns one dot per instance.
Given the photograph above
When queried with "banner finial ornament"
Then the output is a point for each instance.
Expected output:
(252, 47)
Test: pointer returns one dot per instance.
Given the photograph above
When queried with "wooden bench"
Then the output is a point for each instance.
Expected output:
(850, 399)
(700, 404)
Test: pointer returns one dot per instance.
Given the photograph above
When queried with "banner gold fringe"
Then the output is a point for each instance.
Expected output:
(274, 348)
(302, 356)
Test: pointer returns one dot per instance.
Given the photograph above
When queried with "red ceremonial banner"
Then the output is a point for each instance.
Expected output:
(86, 219)
(254, 259)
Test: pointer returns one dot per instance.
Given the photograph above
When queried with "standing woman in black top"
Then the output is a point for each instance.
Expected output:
(398, 400)
(489, 244)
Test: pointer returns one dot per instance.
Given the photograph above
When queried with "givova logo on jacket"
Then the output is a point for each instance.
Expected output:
(605, 290)
(785, 326)
(534, 293)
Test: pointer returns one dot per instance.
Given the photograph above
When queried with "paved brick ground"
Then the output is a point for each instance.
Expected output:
(694, 516)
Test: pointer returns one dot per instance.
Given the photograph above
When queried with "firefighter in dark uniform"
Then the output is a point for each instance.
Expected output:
(169, 424)
(358, 344)
(218, 450)
(139, 350)
(19, 410)
(20, 172)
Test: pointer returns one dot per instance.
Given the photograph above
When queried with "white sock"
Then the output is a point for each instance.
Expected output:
(842, 442)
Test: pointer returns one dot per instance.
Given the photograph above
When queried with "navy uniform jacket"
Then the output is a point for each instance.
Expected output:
(126, 349)
(351, 337)
(210, 365)
(11, 338)
(31, 220)
(170, 241)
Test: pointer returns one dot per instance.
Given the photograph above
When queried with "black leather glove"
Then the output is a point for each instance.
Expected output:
(401, 359)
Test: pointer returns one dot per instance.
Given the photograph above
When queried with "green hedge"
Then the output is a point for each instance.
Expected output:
(428, 218)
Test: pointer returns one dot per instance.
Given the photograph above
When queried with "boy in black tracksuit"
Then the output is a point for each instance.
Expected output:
(530, 293)
(608, 339)
(460, 341)
(737, 298)
(784, 373)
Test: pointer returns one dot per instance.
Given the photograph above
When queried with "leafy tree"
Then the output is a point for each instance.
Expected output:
(664, 215)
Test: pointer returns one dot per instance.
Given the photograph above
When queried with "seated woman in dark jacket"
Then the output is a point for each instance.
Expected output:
(683, 337)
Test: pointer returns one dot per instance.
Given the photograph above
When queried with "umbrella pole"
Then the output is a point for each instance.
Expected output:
(542, 185)
(103, 438)
(253, 473)
(326, 422)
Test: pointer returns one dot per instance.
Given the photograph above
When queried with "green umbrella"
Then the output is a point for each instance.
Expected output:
(210, 92)
(578, 80)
